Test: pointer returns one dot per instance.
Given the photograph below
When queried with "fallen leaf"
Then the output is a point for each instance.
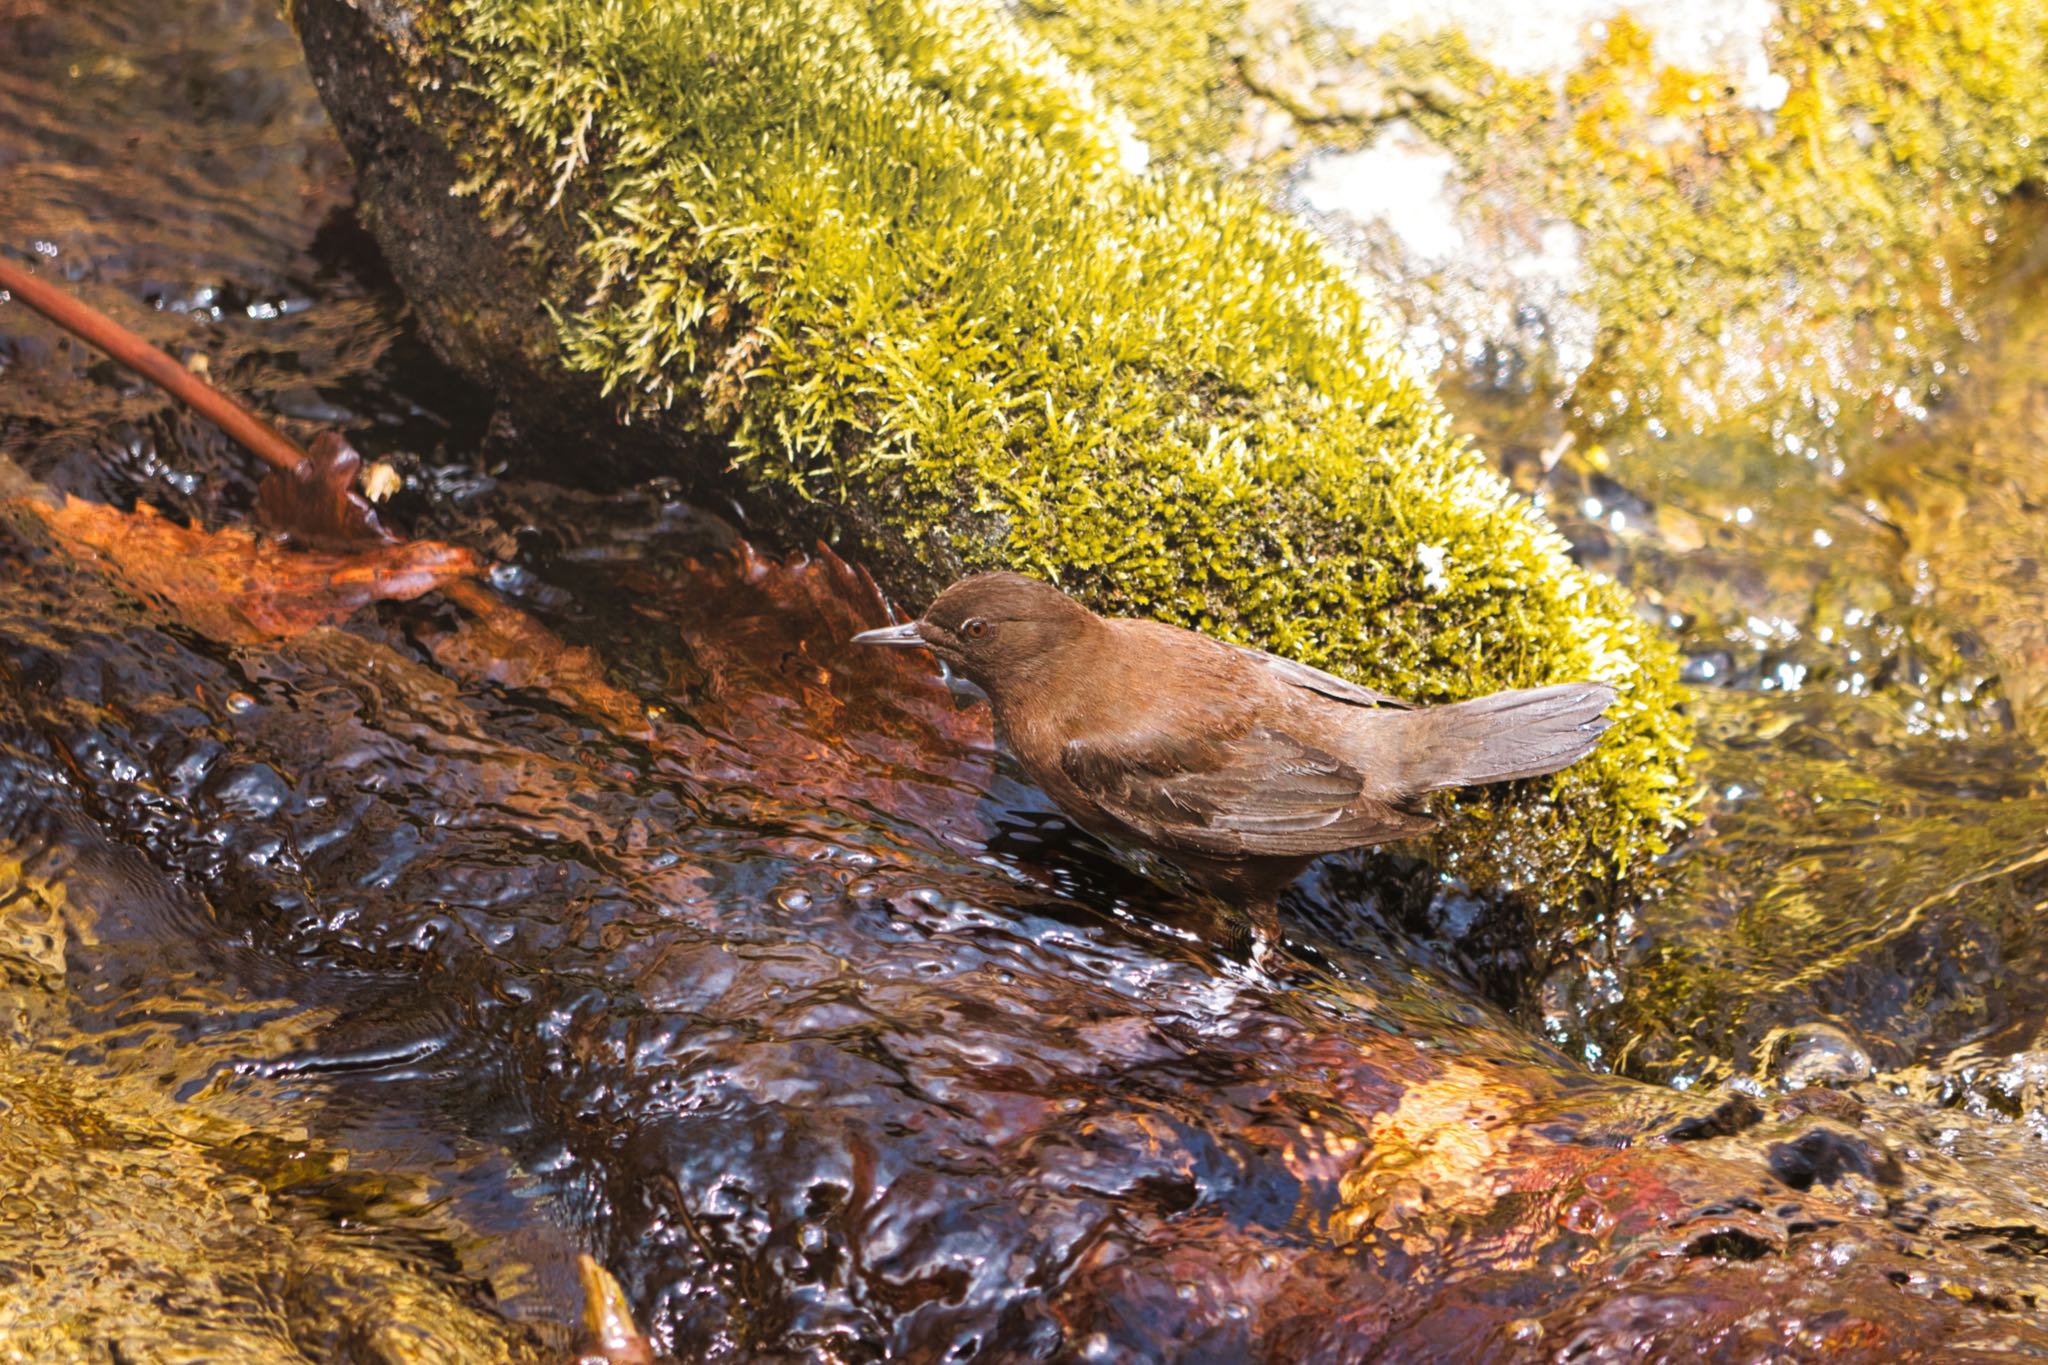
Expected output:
(236, 587)
(316, 504)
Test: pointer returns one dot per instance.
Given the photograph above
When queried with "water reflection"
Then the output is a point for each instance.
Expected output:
(1861, 634)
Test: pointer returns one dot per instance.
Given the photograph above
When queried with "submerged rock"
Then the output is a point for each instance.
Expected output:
(886, 272)
(1817, 1054)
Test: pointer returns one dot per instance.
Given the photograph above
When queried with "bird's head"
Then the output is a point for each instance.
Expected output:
(997, 629)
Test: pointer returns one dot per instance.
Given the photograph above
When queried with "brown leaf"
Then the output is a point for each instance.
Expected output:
(238, 588)
(316, 504)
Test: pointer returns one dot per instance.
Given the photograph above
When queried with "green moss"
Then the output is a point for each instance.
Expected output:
(1166, 63)
(902, 275)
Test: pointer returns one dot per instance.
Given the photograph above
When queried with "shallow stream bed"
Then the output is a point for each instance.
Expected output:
(351, 988)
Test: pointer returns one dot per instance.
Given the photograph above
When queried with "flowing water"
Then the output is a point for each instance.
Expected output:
(352, 987)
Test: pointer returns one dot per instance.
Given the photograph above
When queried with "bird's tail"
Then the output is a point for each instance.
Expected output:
(1523, 733)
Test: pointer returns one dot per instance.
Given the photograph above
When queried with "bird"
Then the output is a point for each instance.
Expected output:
(1235, 766)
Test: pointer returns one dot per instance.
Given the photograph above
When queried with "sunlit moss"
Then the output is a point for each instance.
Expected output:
(1804, 257)
(908, 275)
(1166, 63)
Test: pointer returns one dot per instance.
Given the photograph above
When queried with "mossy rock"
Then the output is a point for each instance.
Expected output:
(1829, 236)
(1778, 261)
(888, 272)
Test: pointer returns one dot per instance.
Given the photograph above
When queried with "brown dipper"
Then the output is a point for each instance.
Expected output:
(1237, 766)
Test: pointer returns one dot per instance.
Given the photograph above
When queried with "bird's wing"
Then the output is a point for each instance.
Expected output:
(1259, 793)
(1322, 684)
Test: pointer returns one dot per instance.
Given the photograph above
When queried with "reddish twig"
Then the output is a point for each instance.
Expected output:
(89, 324)
(575, 671)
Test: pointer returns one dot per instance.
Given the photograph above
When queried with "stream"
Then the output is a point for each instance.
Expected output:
(348, 990)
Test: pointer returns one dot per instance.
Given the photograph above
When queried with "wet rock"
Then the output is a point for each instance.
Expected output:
(1733, 1115)
(1821, 1103)
(1823, 1155)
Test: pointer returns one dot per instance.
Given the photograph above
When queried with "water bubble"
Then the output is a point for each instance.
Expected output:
(1817, 1054)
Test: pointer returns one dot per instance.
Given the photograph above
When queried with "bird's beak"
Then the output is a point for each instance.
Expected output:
(905, 636)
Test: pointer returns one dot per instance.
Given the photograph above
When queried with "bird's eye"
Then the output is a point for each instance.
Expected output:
(975, 629)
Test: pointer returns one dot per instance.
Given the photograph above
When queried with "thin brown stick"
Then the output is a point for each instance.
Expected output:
(82, 320)
(576, 671)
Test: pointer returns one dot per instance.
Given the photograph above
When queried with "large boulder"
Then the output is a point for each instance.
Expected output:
(891, 274)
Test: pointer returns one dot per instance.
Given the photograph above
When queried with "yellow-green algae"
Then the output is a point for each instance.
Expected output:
(909, 274)
(152, 1210)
